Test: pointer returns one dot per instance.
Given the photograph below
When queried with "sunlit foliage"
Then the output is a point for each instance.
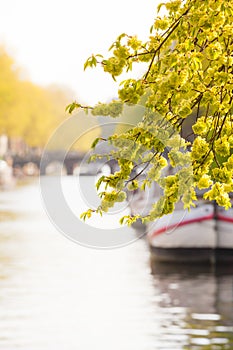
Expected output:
(189, 71)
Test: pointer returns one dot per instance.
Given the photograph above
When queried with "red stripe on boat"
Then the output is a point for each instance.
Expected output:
(181, 223)
(224, 218)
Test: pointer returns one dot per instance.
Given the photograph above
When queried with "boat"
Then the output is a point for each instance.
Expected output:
(224, 228)
(184, 235)
(205, 233)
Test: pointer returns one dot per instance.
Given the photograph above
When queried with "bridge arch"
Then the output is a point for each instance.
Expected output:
(55, 167)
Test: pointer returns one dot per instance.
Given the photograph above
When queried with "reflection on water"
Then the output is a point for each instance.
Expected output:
(55, 294)
(200, 299)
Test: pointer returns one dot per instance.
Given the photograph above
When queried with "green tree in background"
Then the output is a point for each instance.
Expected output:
(188, 80)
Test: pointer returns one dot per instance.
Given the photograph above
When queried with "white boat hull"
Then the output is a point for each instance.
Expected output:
(224, 227)
(201, 234)
(184, 235)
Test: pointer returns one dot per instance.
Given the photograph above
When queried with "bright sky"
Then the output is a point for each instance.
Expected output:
(52, 39)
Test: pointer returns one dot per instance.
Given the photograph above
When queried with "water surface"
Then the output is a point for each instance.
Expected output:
(58, 295)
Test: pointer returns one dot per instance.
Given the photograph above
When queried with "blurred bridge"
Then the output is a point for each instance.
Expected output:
(68, 160)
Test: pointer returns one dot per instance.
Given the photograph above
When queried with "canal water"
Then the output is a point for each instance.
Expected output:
(58, 295)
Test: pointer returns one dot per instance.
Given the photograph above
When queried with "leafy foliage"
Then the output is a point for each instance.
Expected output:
(189, 71)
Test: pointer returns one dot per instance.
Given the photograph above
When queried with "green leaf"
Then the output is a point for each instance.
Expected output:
(71, 107)
(95, 142)
(160, 5)
(99, 182)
